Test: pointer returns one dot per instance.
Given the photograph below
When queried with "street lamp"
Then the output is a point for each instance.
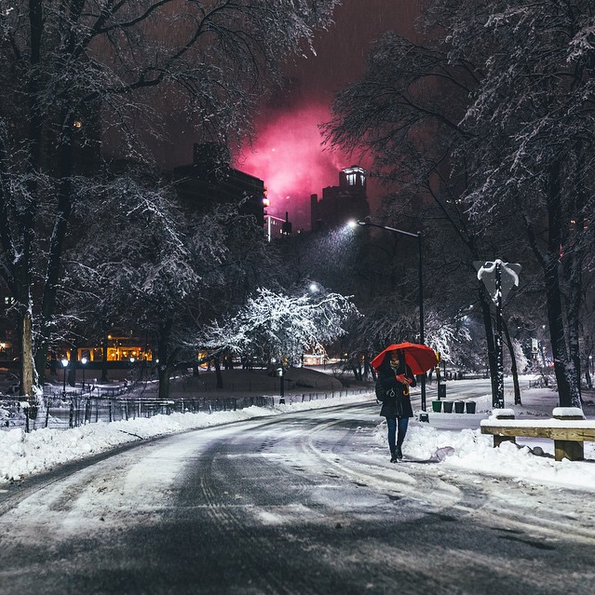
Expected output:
(83, 364)
(418, 236)
(64, 363)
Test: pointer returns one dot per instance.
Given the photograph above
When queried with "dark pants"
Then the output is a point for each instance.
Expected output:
(395, 439)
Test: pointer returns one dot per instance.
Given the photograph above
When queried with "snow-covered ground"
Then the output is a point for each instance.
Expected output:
(456, 438)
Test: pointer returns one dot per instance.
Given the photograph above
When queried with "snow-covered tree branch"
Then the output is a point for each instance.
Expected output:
(272, 326)
(90, 79)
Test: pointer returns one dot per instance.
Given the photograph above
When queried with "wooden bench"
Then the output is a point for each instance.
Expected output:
(568, 428)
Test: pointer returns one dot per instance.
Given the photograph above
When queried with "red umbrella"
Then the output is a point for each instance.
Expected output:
(419, 358)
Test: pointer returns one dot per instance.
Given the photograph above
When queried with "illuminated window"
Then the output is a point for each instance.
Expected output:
(354, 176)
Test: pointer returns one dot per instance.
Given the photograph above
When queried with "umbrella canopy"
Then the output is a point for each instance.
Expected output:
(420, 358)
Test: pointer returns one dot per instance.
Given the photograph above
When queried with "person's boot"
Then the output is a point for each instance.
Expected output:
(398, 453)
(393, 456)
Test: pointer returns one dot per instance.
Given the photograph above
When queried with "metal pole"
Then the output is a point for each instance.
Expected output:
(421, 317)
(64, 363)
(83, 364)
(499, 400)
(282, 379)
(417, 235)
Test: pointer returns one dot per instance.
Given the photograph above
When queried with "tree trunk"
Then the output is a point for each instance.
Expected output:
(489, 332)
(567, 391)
(73, 366)
(513, 365)
(166, 359)
(163, 374)
(50, 288)
(22, 290)
(573, 277)
(218, 375)
(559, 351)
(28, 375)
(104, 376)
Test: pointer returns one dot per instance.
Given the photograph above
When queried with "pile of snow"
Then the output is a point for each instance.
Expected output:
(469, 450)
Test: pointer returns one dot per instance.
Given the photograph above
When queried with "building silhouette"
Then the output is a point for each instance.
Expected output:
(276, 227)
(341, 203)
(210, 180)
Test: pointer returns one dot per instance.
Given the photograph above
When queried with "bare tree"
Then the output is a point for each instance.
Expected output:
(492, 117)
(276, 326)
(532, 123)
(78, 73)
(406, 111)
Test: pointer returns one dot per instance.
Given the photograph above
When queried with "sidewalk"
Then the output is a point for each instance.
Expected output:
(460, 433)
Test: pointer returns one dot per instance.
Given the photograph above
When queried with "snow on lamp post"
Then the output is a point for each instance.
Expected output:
(418, 236)
(499, 278)
(64, 363)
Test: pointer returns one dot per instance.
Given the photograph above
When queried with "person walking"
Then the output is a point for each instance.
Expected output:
(395, 377)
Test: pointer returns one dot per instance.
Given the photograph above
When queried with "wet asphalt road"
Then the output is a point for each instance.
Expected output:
(305, 503)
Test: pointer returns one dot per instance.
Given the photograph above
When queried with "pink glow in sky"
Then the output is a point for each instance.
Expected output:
(289, 157)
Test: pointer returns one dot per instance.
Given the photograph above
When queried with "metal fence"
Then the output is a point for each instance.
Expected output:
(74, 409)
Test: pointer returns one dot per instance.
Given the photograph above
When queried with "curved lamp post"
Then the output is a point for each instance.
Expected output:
(418, 236)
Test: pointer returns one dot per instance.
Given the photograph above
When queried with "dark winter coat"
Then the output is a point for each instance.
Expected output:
(396, 401)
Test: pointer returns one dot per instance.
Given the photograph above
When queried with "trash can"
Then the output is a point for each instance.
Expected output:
(470, 406)
(459, 406)
(442, 391)
(447, 405)
(436, 406)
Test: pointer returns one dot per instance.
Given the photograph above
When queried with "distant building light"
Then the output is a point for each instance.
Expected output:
(353, 173)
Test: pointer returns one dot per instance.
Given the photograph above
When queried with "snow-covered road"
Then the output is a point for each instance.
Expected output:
(305, 503)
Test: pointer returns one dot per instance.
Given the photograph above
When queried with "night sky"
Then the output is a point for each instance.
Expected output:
(287, 154)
